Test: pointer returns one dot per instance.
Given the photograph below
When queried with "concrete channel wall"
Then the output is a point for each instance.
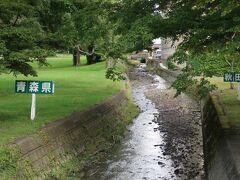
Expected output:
(219, 157)
(221, 148)
(59, 141)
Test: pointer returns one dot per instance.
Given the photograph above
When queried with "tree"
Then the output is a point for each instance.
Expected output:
(133, 24)
(56, 18)
(209, 31)
(92, 29)
(31, 30)
(210, 39)
(20, 33)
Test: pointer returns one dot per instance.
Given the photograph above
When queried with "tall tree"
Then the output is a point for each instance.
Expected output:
(209, 31)
(90, 19)
(61, 32)
(20, 33)
(210, 39)
(29, 30)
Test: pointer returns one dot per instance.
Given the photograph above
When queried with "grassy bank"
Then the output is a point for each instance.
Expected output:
(225, 99)
(76, 88)
(110, 135)
(227, 104)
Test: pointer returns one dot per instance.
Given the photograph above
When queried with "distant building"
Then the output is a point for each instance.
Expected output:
(140, 55)
(157, 49)
(169, 47)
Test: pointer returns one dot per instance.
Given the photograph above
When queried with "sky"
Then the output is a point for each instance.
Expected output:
(157, 41)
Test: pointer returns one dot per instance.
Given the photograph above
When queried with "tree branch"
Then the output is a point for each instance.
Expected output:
(15, 22)
(85, 52)
(228, 63)
(233, 35)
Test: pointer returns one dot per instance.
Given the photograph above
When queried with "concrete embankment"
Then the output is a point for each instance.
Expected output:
(221, 147)
(60, 141)
(221, 153)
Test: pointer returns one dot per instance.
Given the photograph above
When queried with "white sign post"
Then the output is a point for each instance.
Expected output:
(33, 107)
(238, 90)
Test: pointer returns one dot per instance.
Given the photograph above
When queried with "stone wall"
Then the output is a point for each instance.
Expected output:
(167, 74)
(59, 141)
(164, 73)
(218, 150)
(221, 147)
(211, 127)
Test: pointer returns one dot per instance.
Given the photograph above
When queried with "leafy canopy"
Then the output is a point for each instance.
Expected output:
(20, 33)
(208, 31)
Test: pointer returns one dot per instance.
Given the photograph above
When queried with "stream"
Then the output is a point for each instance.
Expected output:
(146, 152)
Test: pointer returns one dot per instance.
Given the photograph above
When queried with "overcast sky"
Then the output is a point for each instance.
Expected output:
(157, 41)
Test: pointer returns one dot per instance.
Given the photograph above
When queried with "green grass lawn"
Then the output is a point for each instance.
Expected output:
(227, 99)
(76, 88)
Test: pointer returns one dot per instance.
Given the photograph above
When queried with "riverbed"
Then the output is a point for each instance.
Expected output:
(164, 142)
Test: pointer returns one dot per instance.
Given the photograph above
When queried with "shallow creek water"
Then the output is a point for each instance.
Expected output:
(139, 156)
(164, 142)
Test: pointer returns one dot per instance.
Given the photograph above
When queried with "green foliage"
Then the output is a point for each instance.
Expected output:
(8, 161)
(79, 88)
(178, 57)
(211, 44)
(204, 87)
(171, 65)
(208, 32)
(22, 35)
(91, 26)
(182, 83)
(114, 74)
(94, 30)
(139, 37)
(227, 104)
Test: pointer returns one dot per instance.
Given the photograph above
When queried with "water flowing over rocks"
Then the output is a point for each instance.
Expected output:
(179, 120)
(165, 140)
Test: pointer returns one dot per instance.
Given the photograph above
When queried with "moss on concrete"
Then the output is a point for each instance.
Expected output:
(227, 104)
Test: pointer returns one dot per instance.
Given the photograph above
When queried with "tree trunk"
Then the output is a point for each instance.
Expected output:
(110, 63)
(97, 58)
(76, 57)
(90, 58)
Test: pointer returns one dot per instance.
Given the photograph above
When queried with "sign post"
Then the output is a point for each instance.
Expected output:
(34, 87)
(33, 107)
(239, 91)
(233, 77)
